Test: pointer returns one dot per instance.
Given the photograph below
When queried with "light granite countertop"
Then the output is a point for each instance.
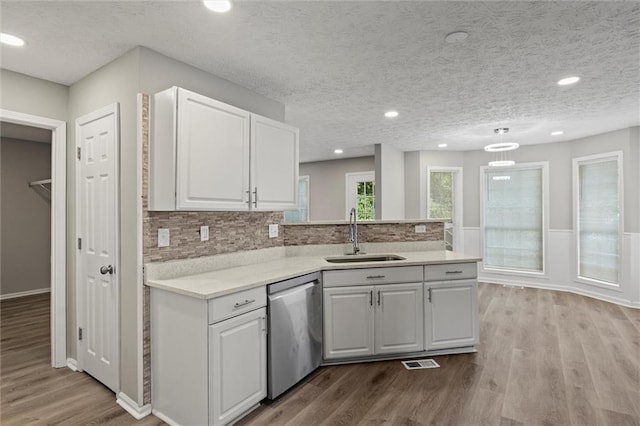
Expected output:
(221, 282)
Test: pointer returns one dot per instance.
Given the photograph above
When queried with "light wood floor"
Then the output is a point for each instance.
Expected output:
(545, 358)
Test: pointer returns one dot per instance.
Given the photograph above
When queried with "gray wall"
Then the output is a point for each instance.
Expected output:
(560, 155)
(416, 164)
(327, 185)
(25, 216)
(30, 95)
(390, 178)
(138, 71)
(159, 72)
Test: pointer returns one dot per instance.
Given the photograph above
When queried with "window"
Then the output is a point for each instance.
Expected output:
(360, 188)
(598, 213)
(440, 201)
(302, 214)
(366, 200)
(513, 218)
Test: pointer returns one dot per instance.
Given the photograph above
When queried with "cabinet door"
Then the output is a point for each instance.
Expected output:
(238, 362)
(399, 318)
(451, 311)
(274, 151)
(212, 154)
(348, 322)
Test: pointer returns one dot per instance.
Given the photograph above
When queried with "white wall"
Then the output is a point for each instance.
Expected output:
(327, 196)
(390, 179)
(26, 217)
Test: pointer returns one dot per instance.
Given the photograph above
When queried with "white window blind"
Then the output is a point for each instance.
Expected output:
(598, 217)
(513, 219)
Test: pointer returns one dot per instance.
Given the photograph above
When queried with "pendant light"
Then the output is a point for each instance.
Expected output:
(501, 149)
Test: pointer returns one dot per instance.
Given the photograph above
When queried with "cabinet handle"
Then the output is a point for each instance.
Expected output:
(255, 197)
(371, 298)
(375, 277)
(378, 297)
(241, 304)
(429, 293)
(453, 272)
(249, 200)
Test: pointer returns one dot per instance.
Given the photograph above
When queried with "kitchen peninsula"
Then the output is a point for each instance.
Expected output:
(208, 318)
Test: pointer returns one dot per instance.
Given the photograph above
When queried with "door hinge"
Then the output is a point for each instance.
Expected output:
(78, 153)
(79, 333)
(79, 243)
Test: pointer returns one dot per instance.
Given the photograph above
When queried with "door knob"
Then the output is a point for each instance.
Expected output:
(104, 270)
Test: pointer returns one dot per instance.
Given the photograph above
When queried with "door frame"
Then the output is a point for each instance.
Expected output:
(80, 301)
(458, 240)
(58, 226)
(350, 179)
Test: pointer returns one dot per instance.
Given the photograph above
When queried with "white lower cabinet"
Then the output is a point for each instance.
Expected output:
(238, 360)
(348, 322)
(451, 314)
(399, 319)
(209, 357)
(361, 321)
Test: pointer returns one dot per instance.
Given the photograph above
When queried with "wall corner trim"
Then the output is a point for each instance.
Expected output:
(138, 412)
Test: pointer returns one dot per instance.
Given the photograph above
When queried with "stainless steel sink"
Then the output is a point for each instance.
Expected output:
(355, 258)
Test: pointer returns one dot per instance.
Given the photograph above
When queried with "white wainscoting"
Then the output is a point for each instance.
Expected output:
(560, 271)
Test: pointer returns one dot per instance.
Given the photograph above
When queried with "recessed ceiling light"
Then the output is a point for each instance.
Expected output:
(338, 151)
(567, 81)
(501, 130)
(442, 145)
(456, 37)
(391, 114)
(11, 40)
(557, 133)
(219, 6)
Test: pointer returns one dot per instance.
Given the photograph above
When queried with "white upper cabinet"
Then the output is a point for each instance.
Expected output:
(274, 148)
(207, 155)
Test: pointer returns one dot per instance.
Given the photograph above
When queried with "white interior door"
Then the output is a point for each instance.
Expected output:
(97, 136)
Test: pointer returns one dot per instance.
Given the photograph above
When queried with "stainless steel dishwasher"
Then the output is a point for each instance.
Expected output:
(294, 331)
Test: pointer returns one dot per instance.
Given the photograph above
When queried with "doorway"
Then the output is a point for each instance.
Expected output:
(58, 225)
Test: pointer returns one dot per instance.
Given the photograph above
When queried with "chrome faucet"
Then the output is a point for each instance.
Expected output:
(353, 230)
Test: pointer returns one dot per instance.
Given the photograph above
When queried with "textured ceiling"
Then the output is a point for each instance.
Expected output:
(337, 66)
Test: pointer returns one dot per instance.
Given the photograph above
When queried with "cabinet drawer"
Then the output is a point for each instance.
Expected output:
(369, 276)
(450, 271)
(237, 303)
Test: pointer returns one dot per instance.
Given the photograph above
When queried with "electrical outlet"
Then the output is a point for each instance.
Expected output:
(163, 237)
(421, 229)
(273, 230)
(204, 233)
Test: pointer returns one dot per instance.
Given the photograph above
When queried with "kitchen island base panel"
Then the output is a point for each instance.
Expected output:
(454, 351)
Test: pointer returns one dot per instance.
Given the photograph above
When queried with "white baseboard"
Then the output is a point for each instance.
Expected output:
(131, 407)
(72, 364)
(25, 293)
(555, 287)
(168, 420)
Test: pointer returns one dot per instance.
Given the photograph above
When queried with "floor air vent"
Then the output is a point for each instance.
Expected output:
(417, 364)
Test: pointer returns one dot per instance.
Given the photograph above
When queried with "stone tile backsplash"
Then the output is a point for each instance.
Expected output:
(367, 233)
